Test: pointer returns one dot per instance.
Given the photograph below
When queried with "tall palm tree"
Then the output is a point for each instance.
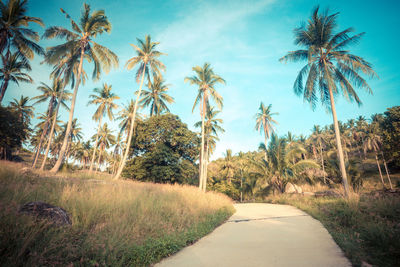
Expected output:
(13, 70)
(228, 165)
(156, 96)
(147, 58)
(206, 80)
(80, 42)
(13, 31)
(104, 98)
(125, 116)
(329, 68)
(211, 129)
(54, 94)
(264, 121)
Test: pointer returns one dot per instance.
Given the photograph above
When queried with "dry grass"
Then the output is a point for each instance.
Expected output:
(114, 222)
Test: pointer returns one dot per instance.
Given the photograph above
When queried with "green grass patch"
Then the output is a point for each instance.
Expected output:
(367, 228)
(114, 223)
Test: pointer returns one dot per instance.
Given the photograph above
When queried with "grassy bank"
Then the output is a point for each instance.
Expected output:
(114, 223)
(367, 227)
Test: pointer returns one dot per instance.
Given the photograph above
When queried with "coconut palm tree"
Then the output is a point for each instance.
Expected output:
(80, 42)
(211, 129)
(228, 165)
(206, 81)
(13, 70)
(147, 58)
(104, 98)
(13, 31)
(54, 94)
(329, 68)
(264, 121)
(124, 115)
(22, 108)
(156, 96)
(105, 139)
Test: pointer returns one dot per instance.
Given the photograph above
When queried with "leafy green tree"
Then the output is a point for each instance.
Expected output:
(163, 150)
(147, 58)
(156, 97)
(80, 42)
(206, 80)
(104, 98)
(13, 70)
(390, 128)
(329, 68)
(13, 131)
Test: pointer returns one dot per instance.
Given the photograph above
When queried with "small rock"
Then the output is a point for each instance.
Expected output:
(43, 210)
(298, 189)
(290, 189)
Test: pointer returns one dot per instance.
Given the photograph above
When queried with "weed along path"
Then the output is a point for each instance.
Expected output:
(263, 235)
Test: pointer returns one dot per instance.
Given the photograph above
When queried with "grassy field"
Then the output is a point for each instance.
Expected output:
(114, 223)
(367, 227)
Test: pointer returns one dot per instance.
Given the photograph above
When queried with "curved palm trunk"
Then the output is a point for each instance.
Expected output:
(379, 168)
(52, 130)
(71, 116)
(3, 89)
(123, 161)
(98, 161)
(387, 171)
(339, 146)
(205, 167)
(44, 132)
(95, 145)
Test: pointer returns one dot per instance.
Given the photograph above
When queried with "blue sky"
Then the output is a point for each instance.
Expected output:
(243, 41)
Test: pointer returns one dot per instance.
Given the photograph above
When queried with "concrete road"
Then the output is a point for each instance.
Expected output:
(263, 235)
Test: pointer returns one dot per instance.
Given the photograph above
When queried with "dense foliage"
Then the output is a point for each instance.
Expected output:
(163, 150)
(390, 131)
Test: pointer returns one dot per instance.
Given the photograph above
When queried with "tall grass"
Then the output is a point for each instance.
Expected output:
(114, 223)
(366, 227)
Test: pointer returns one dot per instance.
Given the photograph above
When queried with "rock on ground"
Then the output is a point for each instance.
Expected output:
(43, 210)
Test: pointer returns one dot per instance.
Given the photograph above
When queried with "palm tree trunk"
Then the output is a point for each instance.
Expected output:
(52, 130)
(205, 167)
(387, 171)
(98, 161)
(322, 162)
(339, 146)
(95, 145)
(379, 168)
(44, 132)
(265, 144)
(203, 114)
(3, 89)
(71, 116)
(123, 161)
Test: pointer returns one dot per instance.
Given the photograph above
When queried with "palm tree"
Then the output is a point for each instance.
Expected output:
(125, 117)
(206, 80)
(75, 134)
(147, 58)
(156, 96)
(264, 121)
(105, 101)
(13, 31)
(319, 138)
(54, 94)
(211, 129)
(80, 41)
(22, 108)
(105, 139)
(328, 67)
(13, 70)
(228, 165)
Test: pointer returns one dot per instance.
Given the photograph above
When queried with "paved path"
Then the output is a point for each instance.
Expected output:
(263, 235)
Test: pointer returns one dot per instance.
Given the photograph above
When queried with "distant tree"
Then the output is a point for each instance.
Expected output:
(265, 122)
(13, 131)
(329, 67)
(156, 97)
(390, 128)
(163, 151)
